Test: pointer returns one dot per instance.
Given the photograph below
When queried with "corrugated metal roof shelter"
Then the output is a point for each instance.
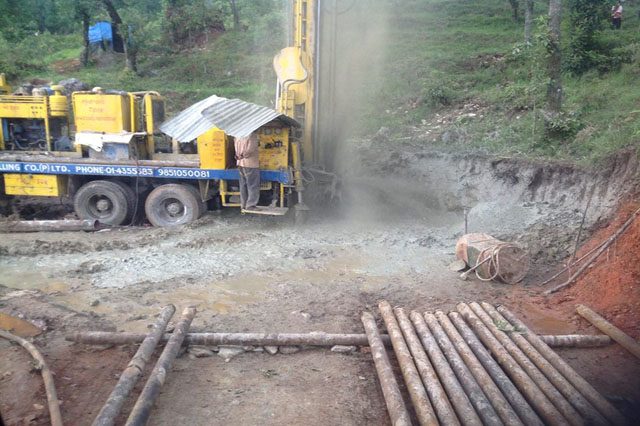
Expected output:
(235, 117)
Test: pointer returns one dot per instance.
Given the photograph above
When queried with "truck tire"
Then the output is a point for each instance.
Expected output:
(172, 205)
(131, 201)
(102, 200)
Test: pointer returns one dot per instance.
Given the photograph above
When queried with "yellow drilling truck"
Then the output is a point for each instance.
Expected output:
(114, 153)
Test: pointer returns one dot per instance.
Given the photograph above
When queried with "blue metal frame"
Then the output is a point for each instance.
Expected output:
(284, 177)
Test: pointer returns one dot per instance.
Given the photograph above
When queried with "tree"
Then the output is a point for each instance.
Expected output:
(236, 15)
(130, 49)
(515, 6)
(528, 21)
(554, 90)
(586, 18)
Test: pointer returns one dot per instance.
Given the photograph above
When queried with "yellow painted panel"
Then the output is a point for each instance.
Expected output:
(35, 185)
(274, 148)
(213, 149)
(23, 107)
(101, 112)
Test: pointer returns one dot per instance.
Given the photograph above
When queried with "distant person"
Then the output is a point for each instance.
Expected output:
(616, 15)
(249, 167)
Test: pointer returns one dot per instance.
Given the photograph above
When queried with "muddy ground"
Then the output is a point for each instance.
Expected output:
(392, 239)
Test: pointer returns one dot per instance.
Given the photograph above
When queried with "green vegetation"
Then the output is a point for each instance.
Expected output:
(440, 56)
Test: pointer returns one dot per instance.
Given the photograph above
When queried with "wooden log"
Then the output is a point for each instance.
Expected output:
(392, 396)
(141, 411)
(509, 390)
(459, 399)
(478, 399)
(109, 412)
(416, 389)
(49, 386)
(49, 225)
(586, 410)
(575, 340)
(442, 406)
(239, 339)
(556, 398)
(525, 384)
(498, 401)
(609, 329)
(592, 395)
(598, 253)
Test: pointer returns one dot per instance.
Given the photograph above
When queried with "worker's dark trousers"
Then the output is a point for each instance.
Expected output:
(249, 186)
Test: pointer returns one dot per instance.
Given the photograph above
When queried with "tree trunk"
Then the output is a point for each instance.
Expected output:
(85, 38)
(554, 90)
(514, 8)
(528, 21)
(236, 15)
(131, 52)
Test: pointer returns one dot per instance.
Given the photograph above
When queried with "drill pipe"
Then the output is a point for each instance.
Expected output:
(477, 397)
(49, 225)
(130, 376)
(240, 339)
(575, 340)
(416, 389)
(141, 411)
(526, 385)
(437, 394)
(554, 395)
(392, 396)
(592, 395)
(509, 390)
(501, 405)
(588, 412)
(458, 398)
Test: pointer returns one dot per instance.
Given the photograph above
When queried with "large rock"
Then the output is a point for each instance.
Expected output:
(73, 85)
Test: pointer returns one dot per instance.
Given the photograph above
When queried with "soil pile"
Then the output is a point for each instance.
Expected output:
(611, 286)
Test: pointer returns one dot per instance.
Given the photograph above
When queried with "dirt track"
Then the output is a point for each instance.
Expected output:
(260, 275)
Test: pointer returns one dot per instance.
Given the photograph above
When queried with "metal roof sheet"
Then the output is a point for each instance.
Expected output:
(235, 117)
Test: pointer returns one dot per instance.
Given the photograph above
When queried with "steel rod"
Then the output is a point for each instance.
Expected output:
(520, 405)
(576, 340)
(589, 392)
(545, 385)
(240, 339)
(611, 330)
(141, 411)
(526, 384)
(586, 410)
(460, 401)
(417, 391)
(445, 412)
(498, 401)
(96, 161)
(478, 399)
(390, 390)
(109, 412)
(49, 386)
(49, 225)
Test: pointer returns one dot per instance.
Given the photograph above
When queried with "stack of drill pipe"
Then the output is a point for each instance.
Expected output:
(575, 398)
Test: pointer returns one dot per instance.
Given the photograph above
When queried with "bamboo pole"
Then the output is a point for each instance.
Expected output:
(457, 396)
(444, 410)
(49, 386)
(602, 249)
(498, 401)
(526, 384)
(416, 389)
(141, 411)
(393, 399)
(611, 330)
(586, 410)
(478, 399)
(520, 405)
(129, 378)
(240, 339)
(554, 395)
(592, 395)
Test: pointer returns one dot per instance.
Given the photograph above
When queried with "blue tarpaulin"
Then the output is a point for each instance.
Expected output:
(100, 32)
